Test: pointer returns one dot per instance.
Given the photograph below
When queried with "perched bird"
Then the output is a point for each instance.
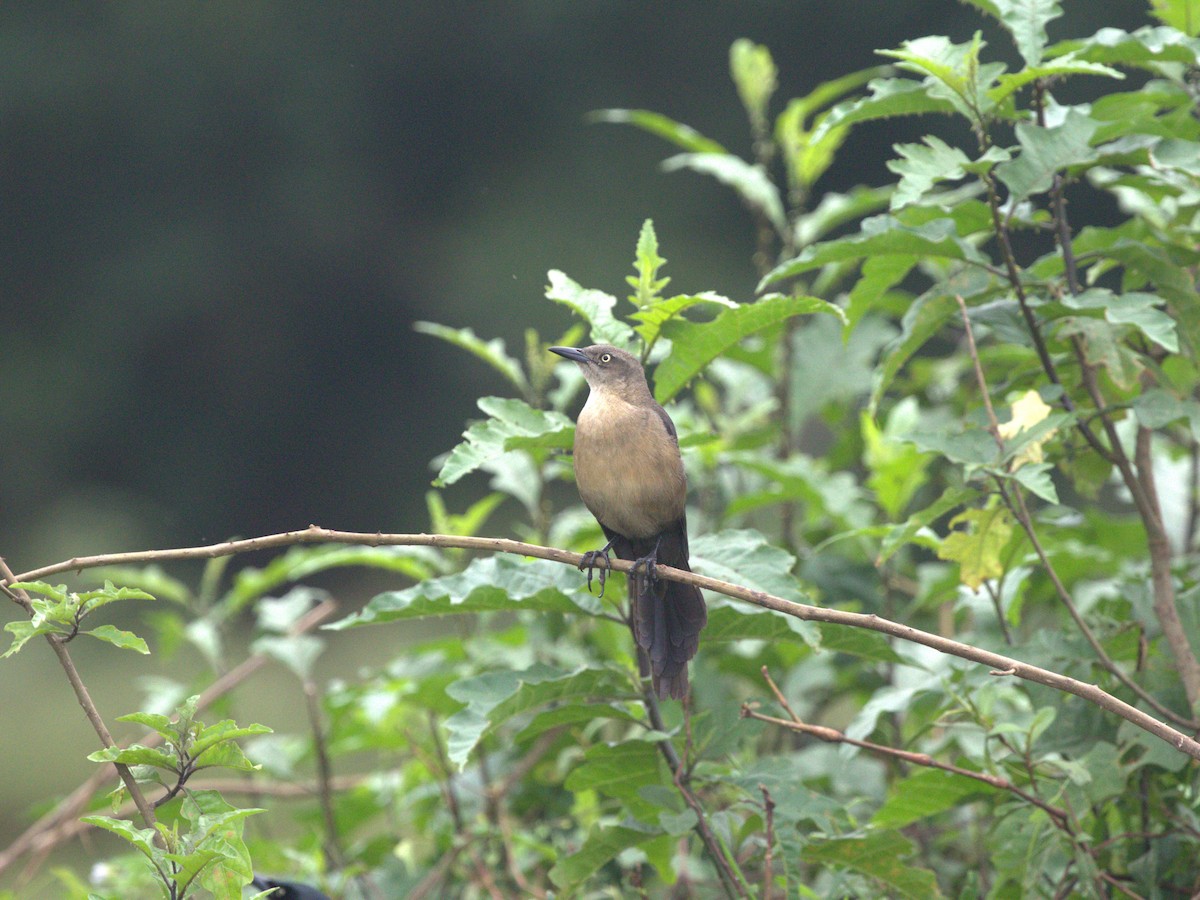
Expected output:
(630, 476)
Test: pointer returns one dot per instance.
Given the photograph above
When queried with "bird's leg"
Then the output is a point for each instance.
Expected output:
(591, 560)
(647, 564)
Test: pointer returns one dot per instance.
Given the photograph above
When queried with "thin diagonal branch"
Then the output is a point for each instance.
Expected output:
(315, 535)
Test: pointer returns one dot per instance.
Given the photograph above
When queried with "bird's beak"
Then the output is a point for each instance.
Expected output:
(570, 353)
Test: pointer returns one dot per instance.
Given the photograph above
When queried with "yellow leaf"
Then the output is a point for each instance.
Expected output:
(1027, 412)
(977, 548)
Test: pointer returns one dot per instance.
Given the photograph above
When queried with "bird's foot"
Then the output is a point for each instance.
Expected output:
(647, 566)
(597, 559)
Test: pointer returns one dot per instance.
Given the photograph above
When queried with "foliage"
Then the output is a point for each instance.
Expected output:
(952, 404)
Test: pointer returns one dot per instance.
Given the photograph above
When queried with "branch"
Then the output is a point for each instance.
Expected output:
(39, 837)
(997, 662)
(833, 736)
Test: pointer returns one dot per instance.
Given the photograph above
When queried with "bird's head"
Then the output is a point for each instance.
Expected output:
(608, 368)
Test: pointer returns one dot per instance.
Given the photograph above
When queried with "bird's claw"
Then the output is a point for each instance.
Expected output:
(591, 561)
(648, 566)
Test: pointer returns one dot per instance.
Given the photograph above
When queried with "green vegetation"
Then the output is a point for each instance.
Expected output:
(950, 455)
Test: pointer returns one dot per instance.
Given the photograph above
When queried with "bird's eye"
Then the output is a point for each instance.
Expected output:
(605, 357)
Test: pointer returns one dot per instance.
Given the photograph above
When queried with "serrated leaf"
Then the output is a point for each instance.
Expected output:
(970, 448)
(126, 640)
(926, 793)
(681, 135)
(879, 275)
(694, 345)
(888, 97)
(879, 856)
(653, 317)
(1026, 21)
(1067, 64)
(22, 631)
(511, 424)
(880, 236)
(977, 548)
(1045, 151)
(646, 284)
(593, 306)
(491, 352)
(494, 697)
(921, 166)
(487, 584)
(751, 182)
(954, 71)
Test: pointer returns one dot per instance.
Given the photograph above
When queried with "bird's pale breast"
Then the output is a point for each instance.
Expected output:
(627, 467)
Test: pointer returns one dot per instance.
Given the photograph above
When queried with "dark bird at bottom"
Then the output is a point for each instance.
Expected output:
(630, 477)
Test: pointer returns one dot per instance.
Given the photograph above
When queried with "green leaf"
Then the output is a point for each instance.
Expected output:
(1102, 346)
(683, 136)
(22, 630)
(1026, 21)
(491, 352)
(652, 318)
(926, 793)
(858, 642)
(878, 856)
(951, 498)
(1148, 47)
(880, 236)
(1181, 14)
(879, 275)
(1036, 477)
(137, 755)
(299, 563)
(978, 548)
(974, 447)
(221, 732)
(1134, 308)
(694, 345)
(126, 640)
(922, 320)
(594, 307)
(747, 622)
(601, 846)
(751, 182)
(618, 770)
(502, 582)
(754, 74)
(888, 97)
(646, 284)
(1067, 64)
(494, 697)
(953, 72)
(141, 838)
(511, 424)
(1045, 151)
(298, 652)
(921, 166)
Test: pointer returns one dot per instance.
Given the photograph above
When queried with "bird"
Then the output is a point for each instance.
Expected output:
(630, 477)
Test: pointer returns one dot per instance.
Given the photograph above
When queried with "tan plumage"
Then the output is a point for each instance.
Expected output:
(631, 478)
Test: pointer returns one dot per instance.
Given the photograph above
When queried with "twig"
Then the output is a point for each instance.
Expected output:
(712, 845)
(831, 735)
(769, 852)
(333, 849)
(1015, 500)
(314, 534)
(145, 810)
(34, 838)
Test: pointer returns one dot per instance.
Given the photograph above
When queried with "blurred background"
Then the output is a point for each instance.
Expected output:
(221, 219)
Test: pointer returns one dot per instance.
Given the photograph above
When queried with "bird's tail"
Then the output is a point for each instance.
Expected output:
(667, 620)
